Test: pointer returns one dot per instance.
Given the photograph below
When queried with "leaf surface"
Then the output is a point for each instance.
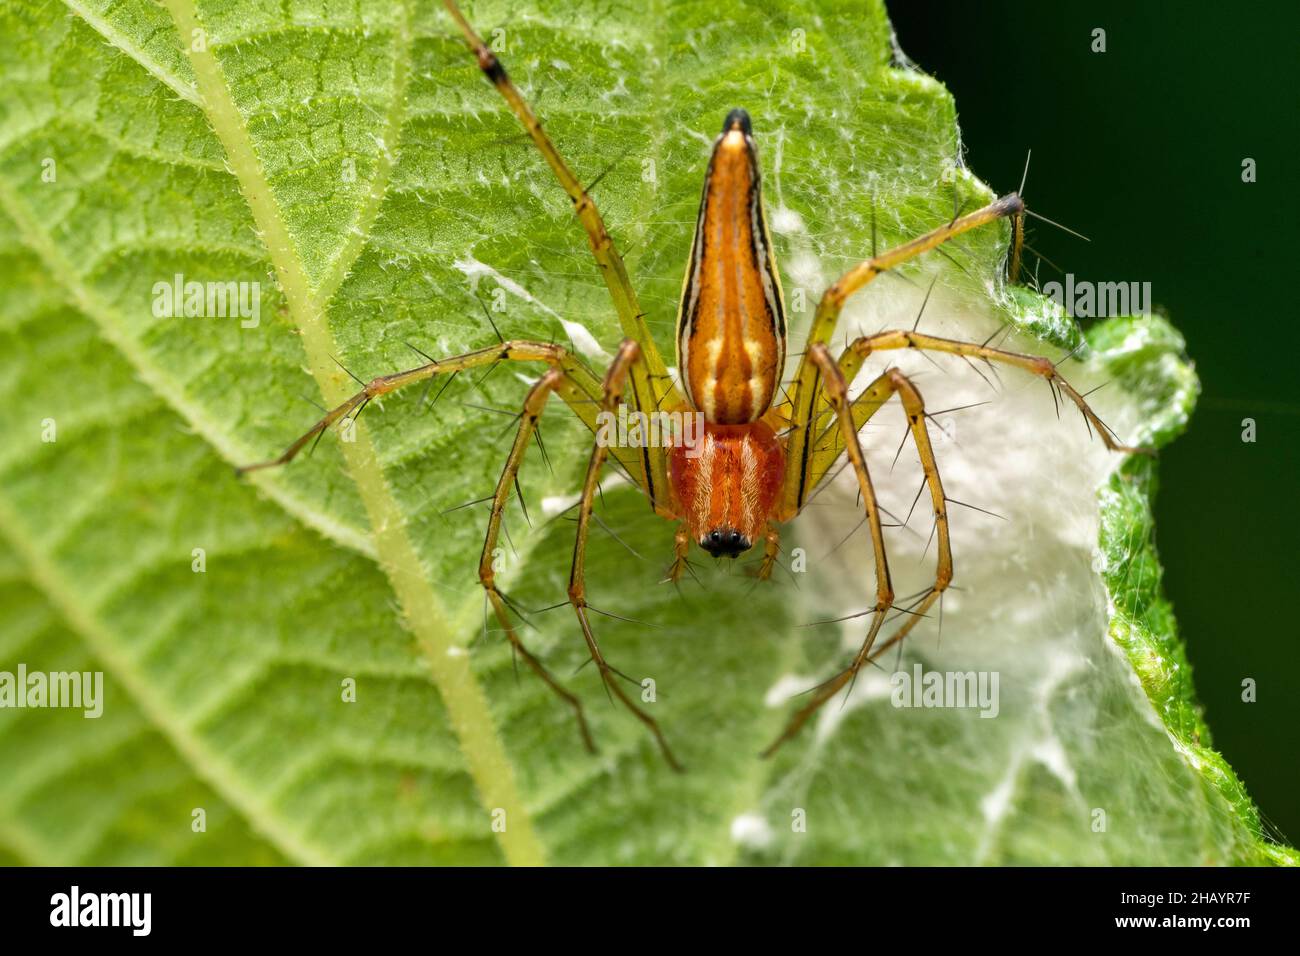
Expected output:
(350, 160)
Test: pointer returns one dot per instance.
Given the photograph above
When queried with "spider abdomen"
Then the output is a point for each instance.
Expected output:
(731, 327)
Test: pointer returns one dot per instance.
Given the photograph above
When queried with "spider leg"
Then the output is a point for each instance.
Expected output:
(837, 394)
(681, 549)
(914, 408)
(771, 550)
(652, 386)
(579, 388)
(534, 403)
(628, 355)
(849, 420)
(829, 444)
(1036, 364)
(803, 416)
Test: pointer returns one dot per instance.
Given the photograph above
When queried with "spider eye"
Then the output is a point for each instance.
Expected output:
(725, 543)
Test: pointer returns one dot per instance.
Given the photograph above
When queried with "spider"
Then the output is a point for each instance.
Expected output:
(758, 460)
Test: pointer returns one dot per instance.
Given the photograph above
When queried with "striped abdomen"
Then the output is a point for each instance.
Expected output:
(731, 327)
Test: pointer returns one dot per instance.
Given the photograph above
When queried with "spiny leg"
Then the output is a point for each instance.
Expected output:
(1043, 367)
(771, 551)
(914, 409)
(829, 443)
(871, 399)
(880, 390)
(652, 385)
(629, 353)
(534, 403)
(569, 378)
(837, 393)
(579, 388)
(803, 414)
(681, 552)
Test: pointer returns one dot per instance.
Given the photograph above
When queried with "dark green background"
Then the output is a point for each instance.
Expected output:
(1140, 148)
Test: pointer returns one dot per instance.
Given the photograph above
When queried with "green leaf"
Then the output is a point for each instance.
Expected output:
(350, 159)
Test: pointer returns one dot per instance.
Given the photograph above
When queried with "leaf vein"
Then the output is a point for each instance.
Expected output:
(480, 742)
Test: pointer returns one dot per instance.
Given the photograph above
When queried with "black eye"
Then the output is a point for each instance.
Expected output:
(725, 543)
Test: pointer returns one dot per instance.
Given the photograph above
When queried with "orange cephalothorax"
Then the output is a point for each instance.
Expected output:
(731, 327)
(727, 485)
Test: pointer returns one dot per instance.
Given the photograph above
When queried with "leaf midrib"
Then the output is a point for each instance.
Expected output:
(113, 328)
(466, 704)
